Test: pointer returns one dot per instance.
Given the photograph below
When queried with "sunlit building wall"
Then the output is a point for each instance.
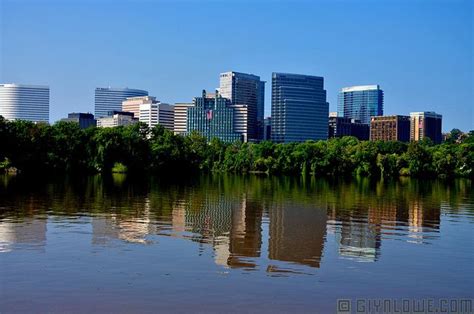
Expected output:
(360, 102)
(426, 125)
(181, 117)
(110, 99)
(299, 108)
(157, 113)
(24, 102)
(132, 104)
(246, 90)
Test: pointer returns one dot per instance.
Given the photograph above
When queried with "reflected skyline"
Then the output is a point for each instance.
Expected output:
(250, 223)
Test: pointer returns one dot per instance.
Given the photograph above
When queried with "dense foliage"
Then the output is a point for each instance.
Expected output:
(64, 147)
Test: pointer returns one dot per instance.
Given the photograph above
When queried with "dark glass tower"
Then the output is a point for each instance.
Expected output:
(299, 108)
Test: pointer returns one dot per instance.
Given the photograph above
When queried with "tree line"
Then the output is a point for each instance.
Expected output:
(64, 147)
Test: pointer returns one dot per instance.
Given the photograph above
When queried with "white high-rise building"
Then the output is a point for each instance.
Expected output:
(157, 113)
(241, 120)
(181, 117)
(24, 102)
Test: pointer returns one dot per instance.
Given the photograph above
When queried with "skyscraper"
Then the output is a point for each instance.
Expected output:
(299, 108)
(212, 117)
(425, 125)
(110, 99)
(24, 102)
(360, 102)
(246, 90)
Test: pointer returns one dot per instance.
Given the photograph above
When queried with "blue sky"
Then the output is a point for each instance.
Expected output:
(419, 51)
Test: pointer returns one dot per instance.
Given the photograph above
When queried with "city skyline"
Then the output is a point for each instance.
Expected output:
(413, 68)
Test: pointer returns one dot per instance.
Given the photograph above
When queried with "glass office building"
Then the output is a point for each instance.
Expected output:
(299, 108)
(360, 102)
(212, 117)
(110, 99)
(24, 102)
(246, 90)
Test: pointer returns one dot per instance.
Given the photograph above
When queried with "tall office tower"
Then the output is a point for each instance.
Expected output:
(116, 118)
(212, 117)
(299, 108)
(360, 102)
(426, 124)
(110, 99)
(246, 90)
(132, 104)
(181, 117)
(157, 113)
(24, 102)
(390, 128)
(84, 120)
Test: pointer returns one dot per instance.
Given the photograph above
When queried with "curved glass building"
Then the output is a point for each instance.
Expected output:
(24, 102)
(360, 102)
(110, 99)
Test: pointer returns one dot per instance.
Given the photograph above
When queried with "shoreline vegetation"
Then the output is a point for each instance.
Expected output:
(65, 148)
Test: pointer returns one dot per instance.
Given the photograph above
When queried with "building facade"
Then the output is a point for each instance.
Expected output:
(360, 102)
(267, 129)
(180, 117)
(85, 120)
(299, 108)
(246, 90)
(426, 124)
(116, 118)
(24, 102)
(110, 99)
(132, 104)
(390, 128)
(212, 117)
(340, 126)
(157, 113)
(241, 124)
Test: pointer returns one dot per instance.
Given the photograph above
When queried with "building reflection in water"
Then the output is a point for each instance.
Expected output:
(27, 232)
(297, 234)
(232, 220)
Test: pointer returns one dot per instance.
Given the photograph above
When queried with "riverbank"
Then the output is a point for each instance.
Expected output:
(65, 148)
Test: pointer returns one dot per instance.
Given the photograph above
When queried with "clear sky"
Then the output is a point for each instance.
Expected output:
(419, 51)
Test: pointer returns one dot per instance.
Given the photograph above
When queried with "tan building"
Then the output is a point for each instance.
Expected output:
(181, 117)
(132, 104)
(426, 125)
(390, 128)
